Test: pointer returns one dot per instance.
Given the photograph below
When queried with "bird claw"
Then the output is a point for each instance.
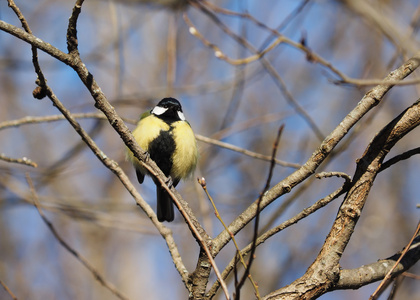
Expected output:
(169, 182)
(146, 156)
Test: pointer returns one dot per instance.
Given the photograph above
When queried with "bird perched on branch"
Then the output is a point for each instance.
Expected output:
(169, 140)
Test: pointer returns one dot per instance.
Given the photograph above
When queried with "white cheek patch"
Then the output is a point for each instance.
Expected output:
(181, 115)
(157, 110)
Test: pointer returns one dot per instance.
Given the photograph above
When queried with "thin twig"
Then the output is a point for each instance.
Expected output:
(6, 288)
(312, 57)
(203, 184)
(411, 275)
(53, 118)
(245, 151)
(71, 250)
(257, 217)
(267, 65)
(395, 286)
(402, 156)
(265, 236)
(22, 161)
(237, 88)
(221, 55)
(388, 276)
(371, 99)
(39, 92)
(370, 82)
(343, 175)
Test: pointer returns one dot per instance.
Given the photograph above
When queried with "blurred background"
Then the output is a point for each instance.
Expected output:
(142, 52)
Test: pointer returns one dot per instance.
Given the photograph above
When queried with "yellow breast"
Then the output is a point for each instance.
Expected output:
(186, 154)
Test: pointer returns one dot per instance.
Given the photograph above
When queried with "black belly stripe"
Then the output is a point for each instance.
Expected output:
(161, 150)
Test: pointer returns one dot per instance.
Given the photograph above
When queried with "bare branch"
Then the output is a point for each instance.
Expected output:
(6, 288)
(387, 278)
(398, 158)
(337, 174)
(324, 271)
(257, 217)
(265, 236)
(369, 101)
(23, 160)
(245, 151)
(70, 249)
(356, 278)
(114, 119)
(43, 119)
(267, 66)
(202, 182)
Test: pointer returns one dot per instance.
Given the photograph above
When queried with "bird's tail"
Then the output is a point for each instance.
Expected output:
(165, 207)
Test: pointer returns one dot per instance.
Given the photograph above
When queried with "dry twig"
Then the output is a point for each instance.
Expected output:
(84, 261)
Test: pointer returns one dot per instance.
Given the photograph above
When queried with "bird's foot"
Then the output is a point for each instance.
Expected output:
(169, 182)
(146, 156)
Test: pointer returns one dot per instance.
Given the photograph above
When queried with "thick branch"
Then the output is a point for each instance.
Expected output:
(324, 273)
(356, 278)
(370, 100)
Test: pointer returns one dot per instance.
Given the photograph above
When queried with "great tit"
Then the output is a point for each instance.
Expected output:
(169, 140)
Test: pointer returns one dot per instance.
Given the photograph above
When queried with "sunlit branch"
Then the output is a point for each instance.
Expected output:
(245, 151)
(336, 174)
(387, 277)
(102, 103)
(221, 55)
(326, 266)
(358, 277)
(267, 65)
(22, 161)
(203, 184)
(368, 102)
(268, 234)
(257, 216)
(7, 289)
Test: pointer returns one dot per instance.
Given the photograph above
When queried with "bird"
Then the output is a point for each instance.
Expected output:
(168, 139)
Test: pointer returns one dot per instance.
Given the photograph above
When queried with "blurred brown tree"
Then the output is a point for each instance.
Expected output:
(303, 113)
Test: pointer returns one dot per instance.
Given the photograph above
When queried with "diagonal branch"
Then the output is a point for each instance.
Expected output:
(324, 272)
(266, 64)
(402, 156)
(387, 278)
(268, 234)
(368, 102)
(109, 163)
(70, 249)
(356, 278)
(6, 288)
(116, 122)
(257, 217)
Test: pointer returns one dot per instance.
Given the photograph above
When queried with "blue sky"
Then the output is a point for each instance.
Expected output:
(124, 47)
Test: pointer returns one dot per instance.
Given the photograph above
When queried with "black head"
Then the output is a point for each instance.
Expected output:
(169, 110)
